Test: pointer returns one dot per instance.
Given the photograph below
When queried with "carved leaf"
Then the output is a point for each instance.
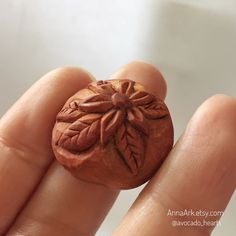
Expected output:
(97, 98)
(155, 110)
(130, 145)
(140, 98)
(82, 134)
(96, 103)
(137, 120)
(102, 87)
(96, 106)
(110, 123)
(104, 116)
(126, 87)
(71, 113)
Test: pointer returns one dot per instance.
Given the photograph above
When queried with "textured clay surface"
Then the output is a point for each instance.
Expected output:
(113, 133)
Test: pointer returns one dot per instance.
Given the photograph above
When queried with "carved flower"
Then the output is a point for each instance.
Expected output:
(118, 114)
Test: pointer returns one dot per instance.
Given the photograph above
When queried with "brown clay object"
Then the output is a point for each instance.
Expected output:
(113, 133)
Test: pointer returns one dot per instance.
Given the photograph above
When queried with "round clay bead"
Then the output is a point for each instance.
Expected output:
(114, 133)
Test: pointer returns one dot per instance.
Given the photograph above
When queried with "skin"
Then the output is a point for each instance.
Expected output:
(39, 197)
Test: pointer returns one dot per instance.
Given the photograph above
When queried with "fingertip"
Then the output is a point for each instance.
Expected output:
(217, 112)
(146, 74)
(69, 76)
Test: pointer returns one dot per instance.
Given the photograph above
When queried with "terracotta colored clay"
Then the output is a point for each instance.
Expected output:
(113, 133)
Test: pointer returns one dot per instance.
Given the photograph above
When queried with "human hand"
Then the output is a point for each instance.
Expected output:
(38, 197)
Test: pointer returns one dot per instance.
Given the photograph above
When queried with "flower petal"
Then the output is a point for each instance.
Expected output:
(140, 98)
(137, 120)
(96, 106)
(110, 123)
(126, 87)
(97, 98)
(96, 103)
(155, 110)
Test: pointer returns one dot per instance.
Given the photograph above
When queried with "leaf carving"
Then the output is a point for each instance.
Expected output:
(71, 113)
(96, 103)
(137, 120)
(119, 113)
(110, 122)
(131, 147)
(97, 98)
(126, 87)
(140, 98)
(96, 106)
(82, 134)
(155, 110)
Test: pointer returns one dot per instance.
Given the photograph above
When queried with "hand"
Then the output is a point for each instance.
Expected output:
(38, 197)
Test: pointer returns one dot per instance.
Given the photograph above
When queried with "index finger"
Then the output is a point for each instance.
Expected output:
(25, 138)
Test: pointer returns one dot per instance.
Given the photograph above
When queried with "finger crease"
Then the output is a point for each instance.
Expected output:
(47, 223)
(169, 202)
(24, 153)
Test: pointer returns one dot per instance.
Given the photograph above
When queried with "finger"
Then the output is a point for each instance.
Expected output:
(25, 136)
(198, 174)
(146, 74)
(73, 207)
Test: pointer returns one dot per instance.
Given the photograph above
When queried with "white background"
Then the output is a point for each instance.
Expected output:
(193, 43)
